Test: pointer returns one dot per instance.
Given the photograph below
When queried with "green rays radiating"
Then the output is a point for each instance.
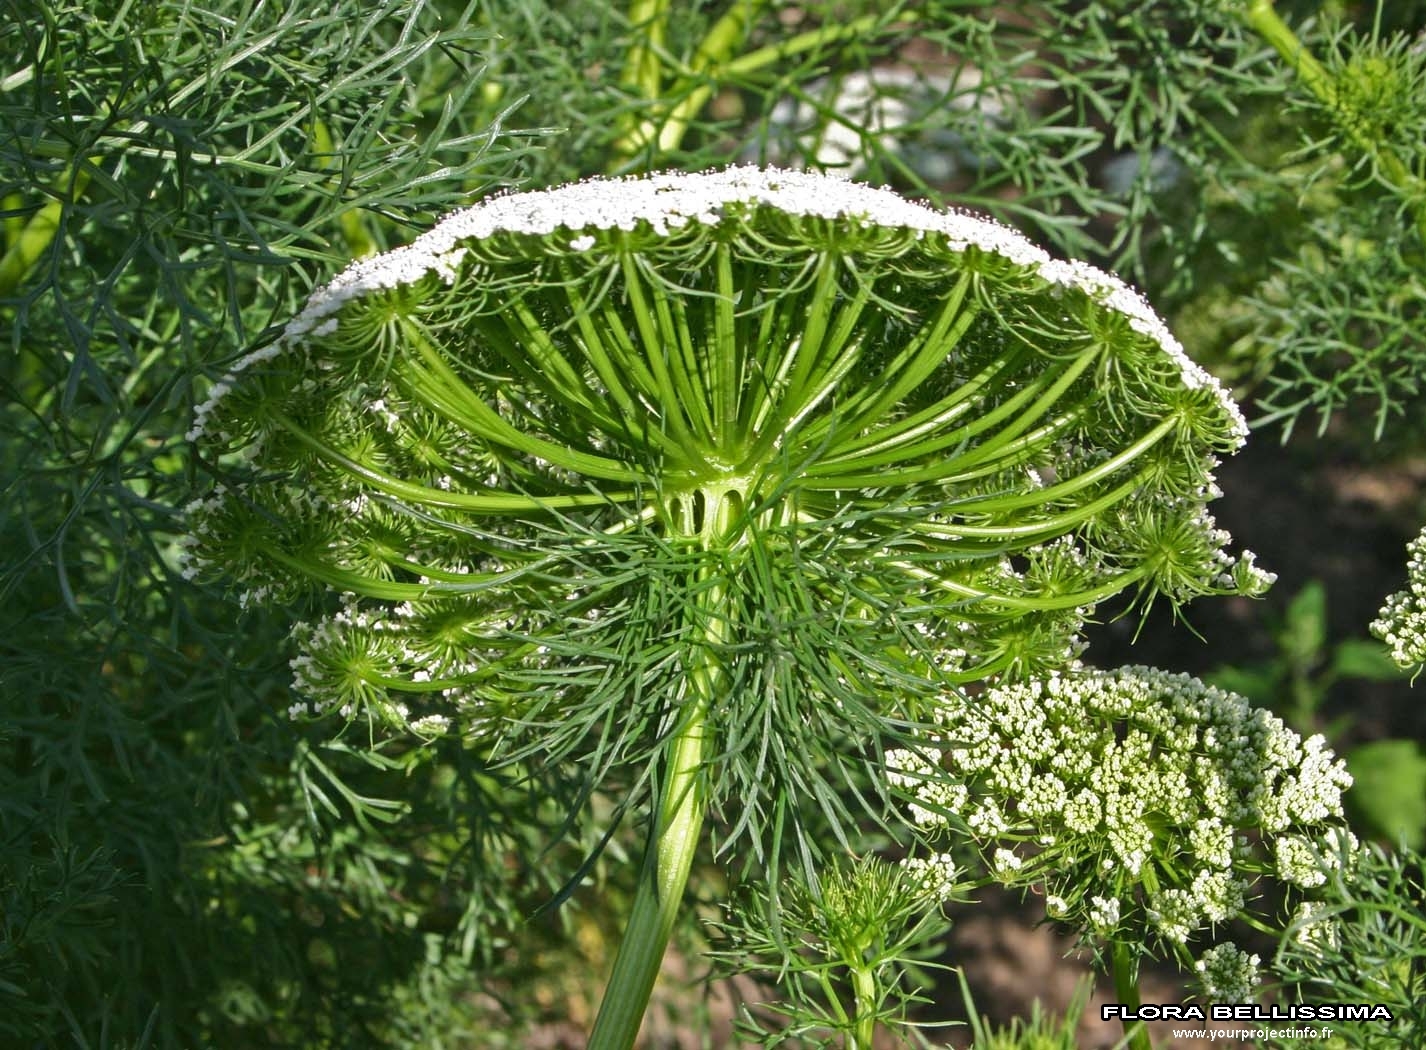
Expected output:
(877, 419)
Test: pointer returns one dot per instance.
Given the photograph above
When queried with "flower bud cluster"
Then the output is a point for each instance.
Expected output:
(1401, 624)
(392, 664)
(1228, 974)
(1316, 928)
(934, 876)
(1133, 795)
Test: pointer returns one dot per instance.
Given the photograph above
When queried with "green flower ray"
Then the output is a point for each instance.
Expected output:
(758, 459)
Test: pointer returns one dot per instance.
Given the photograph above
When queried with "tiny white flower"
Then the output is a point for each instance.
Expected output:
(1401, 624)
(1298, 862)
(1317, 933)
(935, 876)
(1104, 913)
(1006, 862)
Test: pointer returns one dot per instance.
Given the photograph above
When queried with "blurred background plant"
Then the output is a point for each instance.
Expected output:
(1038, 1031)
(181, 866)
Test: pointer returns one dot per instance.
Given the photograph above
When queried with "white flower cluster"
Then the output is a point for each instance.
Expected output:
(1305, 862)
(1316, 928)
(220, 538)
(934, 876)
(933, 795)
(1131, 791)
(1249, 577)
(1401, 624)
(380, 662)
(671, 201)
(1228, 974)
(1103, 914)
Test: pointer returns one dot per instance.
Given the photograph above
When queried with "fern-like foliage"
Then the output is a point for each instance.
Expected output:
(174, 177)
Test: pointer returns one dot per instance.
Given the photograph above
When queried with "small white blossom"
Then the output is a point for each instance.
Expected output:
(1175, 914)
(1401, 624)
(430, 725)
(1307, 862)
(935, 876)
(910, 771)
(1217, 895)
(1316, 932)
(1228, 974)
(1297, 861)
(987, 819)
(1006, 862)
(1104, 913)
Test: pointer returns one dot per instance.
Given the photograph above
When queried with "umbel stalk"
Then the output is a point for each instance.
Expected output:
(678, 819)
(667, 862)
(1125, 968)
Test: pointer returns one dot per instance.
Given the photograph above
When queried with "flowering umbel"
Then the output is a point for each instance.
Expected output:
(1228, 974)
(770, 444)
(1401, 624)
(1141, 801)
(698, 487)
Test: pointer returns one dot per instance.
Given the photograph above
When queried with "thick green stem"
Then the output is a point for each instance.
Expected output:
(1125, 968)
(649, 21)
(665, 128)
(26, 247)
(713, 60)
(864, 989)
(660, 890)
(684, 794)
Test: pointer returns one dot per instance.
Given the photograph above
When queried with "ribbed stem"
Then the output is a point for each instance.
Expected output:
(715, 59)
(682, 802)
(660, 891)
(864, 989)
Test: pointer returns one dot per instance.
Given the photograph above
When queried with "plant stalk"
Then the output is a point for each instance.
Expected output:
(864, 988)
(714, 60)
(1126, 989)
(683, 800)
(25, 247)
(660, 891)
(649, 21)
